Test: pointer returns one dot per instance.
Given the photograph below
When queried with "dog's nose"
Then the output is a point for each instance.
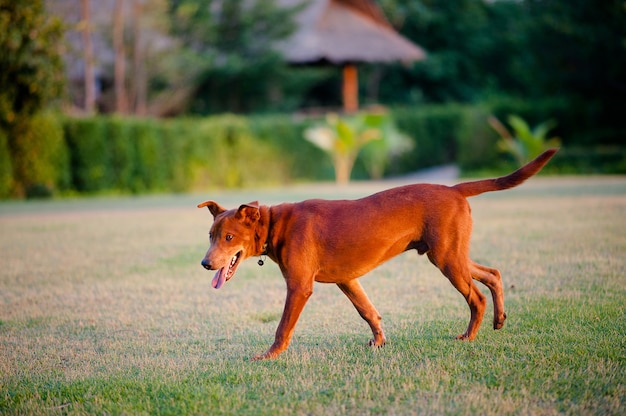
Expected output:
(206, 264)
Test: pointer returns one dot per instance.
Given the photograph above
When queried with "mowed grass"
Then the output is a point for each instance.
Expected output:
(104, 309)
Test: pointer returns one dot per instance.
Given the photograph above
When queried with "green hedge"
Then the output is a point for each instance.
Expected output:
(6, 167)
(53, 153)
(145, 155)
(434, 129)
(88, 148)
(37, 162)
(460, 134)
(576, 121)
(285, 133)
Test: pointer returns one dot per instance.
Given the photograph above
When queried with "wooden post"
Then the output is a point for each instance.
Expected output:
(119, 64)
(350, 89)
(140, 80)
(90, 81)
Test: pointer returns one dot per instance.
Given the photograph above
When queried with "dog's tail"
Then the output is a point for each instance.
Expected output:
(505, 182)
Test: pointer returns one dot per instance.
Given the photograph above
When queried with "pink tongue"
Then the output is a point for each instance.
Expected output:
(219, 279)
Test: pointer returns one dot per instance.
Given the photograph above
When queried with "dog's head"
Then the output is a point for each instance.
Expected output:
(232, 238)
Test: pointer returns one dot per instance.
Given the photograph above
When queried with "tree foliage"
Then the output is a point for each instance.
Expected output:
(534, 49)
(579, 51)
(219, 57)
(31, 72)
(531, 47)
(231, 42)
(457, 38)
(31, 76)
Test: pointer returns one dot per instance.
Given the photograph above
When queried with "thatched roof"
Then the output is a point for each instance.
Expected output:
(345, 31)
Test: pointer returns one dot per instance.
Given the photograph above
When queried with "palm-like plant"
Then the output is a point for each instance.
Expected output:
(524, 144)
(372, 133)
(376, 154)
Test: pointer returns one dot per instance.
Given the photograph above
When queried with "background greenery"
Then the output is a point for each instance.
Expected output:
(66, 155)
(104, 308)
(241, 110)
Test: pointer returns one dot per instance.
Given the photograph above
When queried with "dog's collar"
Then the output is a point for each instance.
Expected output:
(266, 244)
(261, 261)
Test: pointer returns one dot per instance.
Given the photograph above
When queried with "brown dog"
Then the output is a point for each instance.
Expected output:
(339, 241)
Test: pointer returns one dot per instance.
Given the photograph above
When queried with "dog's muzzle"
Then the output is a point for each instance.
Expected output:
(206, 264)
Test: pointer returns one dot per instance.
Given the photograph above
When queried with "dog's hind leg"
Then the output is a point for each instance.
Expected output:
(491, 278)
(459, 275)
(354, 291)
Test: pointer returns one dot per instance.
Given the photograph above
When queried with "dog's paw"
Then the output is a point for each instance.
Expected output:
(266, 356)
(259, 357)
(499, 323)
(377, 344)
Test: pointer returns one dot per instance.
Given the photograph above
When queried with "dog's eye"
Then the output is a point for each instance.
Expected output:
(229, 237)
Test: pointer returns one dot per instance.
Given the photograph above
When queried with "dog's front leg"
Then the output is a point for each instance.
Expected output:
(354, 291)
(297, 295)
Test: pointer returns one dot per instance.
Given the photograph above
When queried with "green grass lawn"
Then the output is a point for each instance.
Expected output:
(105, 309)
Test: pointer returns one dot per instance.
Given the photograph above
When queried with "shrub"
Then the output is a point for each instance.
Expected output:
(6, 167)
(149, 159)
(177, 145)
(100, 153)
(577, 120)
(122, 153)
(285, 133)
(370, 135)
(476, 141)
(39, 157)
(589, 160)
(524, 143)
(227, 154)
(343, 137)
(89, 154)
(434, 130)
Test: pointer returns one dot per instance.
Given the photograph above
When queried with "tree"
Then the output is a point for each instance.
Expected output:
(31, 68)
(31, 77)
(119, 76)
(579, 52)
(231, 46)
(140, 80)
(456, 36)
(89, 77)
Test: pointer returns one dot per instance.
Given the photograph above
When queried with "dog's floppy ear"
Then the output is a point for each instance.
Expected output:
(214, 207)
(249, 212)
